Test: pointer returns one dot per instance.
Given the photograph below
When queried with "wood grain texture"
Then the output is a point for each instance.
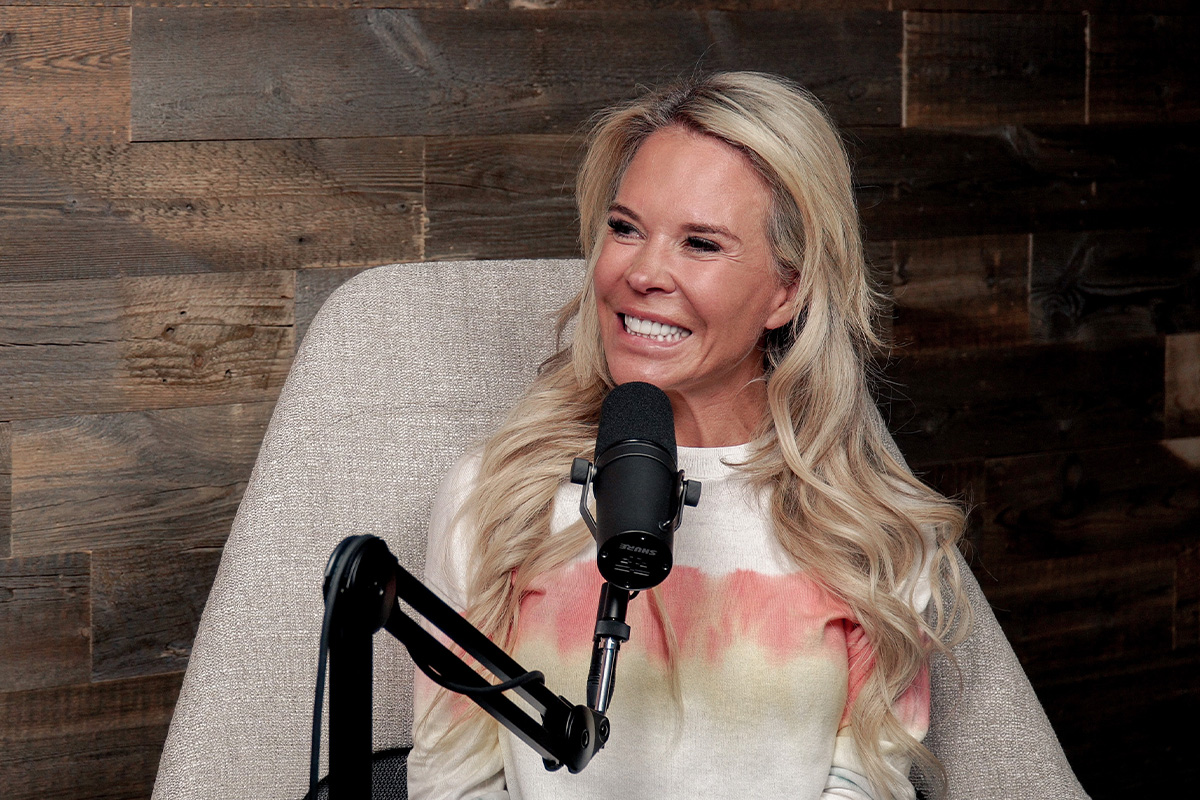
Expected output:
(922, 184)
(1120, 724)
(268, 73)
(1052, 6)
(523, 5)
(952, 405)
(1059, 505)
(5, 489)
(1111, 284)
(1101, 607)
(64, 75)
(963, 292)
(1187, 598)
(1182, 385)
(72, 347)
(992, 69)
(119, 481)
(45, 621)
(146, 606)
(77, 212)
(501, 197)
(1143, 68)
(85, 741)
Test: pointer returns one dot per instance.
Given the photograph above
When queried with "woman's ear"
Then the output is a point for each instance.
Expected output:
(785, 304)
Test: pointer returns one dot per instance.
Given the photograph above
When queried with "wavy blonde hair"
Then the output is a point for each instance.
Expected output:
(844, 507)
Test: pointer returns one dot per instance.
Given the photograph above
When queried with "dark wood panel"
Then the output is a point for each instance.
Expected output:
(1144, 68)
(86, 741)
(988, 69)
(1056, 6)
(5, 489)
(1096, 285)
(952, 405)
(1061, 613)
(502, 197)
(45, 623)
(525, 5)
(1056, 505)
(499, 196)
(1125, 724)
(117, 481)
(313, 287)
(1182, 385)
(962, 292)
(74, 212)
(70, 347)
(146, 606)
(268, 73)
(64, 75)
(922, 184)
(1187, 598)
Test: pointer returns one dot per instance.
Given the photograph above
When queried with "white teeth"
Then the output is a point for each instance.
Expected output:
(658, 331)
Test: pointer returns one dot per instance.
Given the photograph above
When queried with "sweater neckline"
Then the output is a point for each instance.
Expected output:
(712, 462)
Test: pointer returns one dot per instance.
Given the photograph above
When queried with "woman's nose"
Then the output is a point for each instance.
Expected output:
(650, 271)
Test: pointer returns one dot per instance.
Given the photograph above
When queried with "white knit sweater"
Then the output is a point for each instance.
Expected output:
(768, 664)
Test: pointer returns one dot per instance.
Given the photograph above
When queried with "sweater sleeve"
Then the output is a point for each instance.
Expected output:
(847, 779)
(461, 767)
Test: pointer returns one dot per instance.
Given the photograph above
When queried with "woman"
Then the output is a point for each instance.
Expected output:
(786, 654)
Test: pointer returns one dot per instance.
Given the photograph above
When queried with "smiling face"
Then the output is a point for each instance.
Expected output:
(686, 284)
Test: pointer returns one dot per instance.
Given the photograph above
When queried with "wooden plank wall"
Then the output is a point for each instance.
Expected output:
(181, 183)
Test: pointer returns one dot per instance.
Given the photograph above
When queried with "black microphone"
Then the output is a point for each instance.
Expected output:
(639, 503)
(639, 492)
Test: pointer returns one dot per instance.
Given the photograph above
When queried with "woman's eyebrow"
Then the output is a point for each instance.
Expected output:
(714, 229)
(620, 209)
(693, 227)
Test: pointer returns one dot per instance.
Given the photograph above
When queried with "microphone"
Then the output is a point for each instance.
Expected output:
(639, 492)
(640, 497)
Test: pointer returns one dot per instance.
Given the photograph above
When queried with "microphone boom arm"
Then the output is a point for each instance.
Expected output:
(369, 583)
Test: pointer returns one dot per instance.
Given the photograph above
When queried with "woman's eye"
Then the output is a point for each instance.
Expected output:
(620, 227)
(703, 245)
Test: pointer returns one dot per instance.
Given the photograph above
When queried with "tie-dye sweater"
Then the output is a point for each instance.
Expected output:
(767, 662)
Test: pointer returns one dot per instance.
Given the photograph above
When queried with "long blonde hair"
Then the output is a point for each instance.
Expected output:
(844, 507)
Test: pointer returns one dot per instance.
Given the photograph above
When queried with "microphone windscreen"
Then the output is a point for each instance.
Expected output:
(636, 411)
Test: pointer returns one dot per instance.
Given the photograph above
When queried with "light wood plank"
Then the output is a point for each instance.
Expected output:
(962, 292)
(1182, 385)
(502, 197)
(64, 75)
(1143, 68)
(5, 489)
(1114, 284)
(73, 347)
(75, 212)
(1056, 505)
(948, 405)
(85, 741)
(994, 69)
(118, 481)
(45, 623)
(275, 73)
(146, 605)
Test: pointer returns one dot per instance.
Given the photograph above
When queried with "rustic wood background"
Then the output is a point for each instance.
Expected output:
(182, 183)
